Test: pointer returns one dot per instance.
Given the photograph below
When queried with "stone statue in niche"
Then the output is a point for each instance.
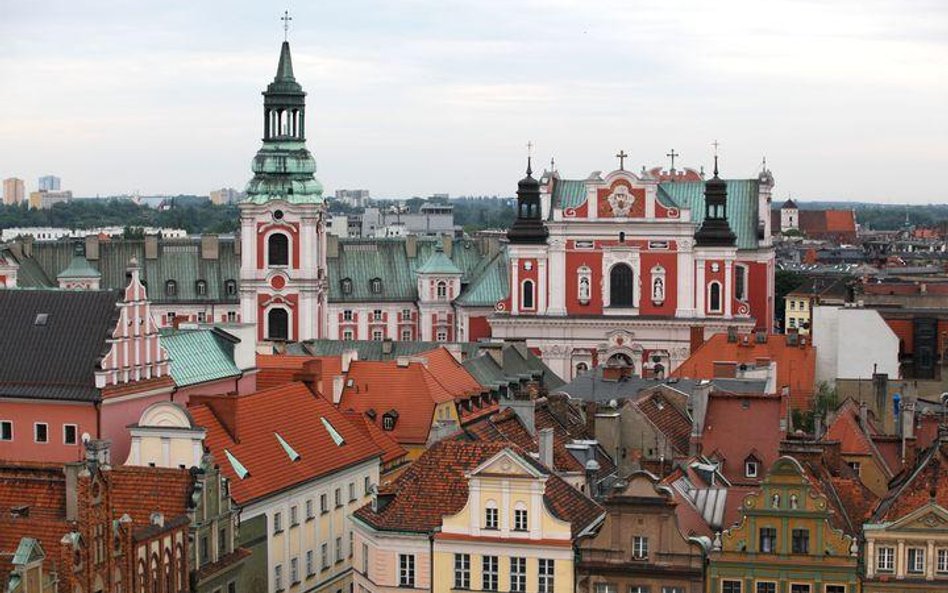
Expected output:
(658, 290)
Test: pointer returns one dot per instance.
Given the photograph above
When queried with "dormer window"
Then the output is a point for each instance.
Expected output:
(230, 287)
(375, 284)
(346, 285)
(200, 287)
(751, 468)
(442, 290)
(388, 420)
(171, 288)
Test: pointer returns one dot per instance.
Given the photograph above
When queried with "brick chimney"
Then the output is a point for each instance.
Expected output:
(224, 409)
(311, 375)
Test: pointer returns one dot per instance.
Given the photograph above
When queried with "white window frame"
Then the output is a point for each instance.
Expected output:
(441, 290)
(885, 559)
(546, 575)
(294, 516)
(277, 522)
(809, 587)
(720, 307)
(491, 516)
(521, 519)
(639, 547)
(533, 295)
(441, 335)
(278, 577)
(36, 425)
(917, 567)
(75, 432)
(348, 335)
(378, 335)
(202, 317)
(751, 468)
(324, 556)
(310, 564)
(7, 423)
(462, 571)
(739, 583)
(406, 570)
(231, 316)
(490, 568)
(406, 335)
(518, 574)
(757, 586)
(347, 315)
(741, 287)
(294, 570)
(941, 556)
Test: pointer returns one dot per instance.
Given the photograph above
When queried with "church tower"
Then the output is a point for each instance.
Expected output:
(282, 222)
(715, 253)
(528, 251)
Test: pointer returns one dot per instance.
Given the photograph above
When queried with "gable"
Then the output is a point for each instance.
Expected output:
(506, 463)
(930, 517)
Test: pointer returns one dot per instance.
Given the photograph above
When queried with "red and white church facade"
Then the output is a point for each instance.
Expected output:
(621, 269)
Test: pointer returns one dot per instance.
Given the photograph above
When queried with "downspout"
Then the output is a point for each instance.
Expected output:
(431, 559)
(98, 420)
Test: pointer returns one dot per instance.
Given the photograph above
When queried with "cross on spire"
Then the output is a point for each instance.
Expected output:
(286, 18)
(622, 156)
(530, 157)
(715, 144)
(672, 155)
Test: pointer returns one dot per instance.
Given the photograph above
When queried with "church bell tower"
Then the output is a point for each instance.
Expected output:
(282, 222)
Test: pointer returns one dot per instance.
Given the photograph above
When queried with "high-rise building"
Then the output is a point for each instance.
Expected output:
(226, 195)
(44, 199)
(355, 198)
(14, 191)
(49, 183)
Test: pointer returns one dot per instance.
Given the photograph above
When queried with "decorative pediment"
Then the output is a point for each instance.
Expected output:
(506, 463)
(927, 517)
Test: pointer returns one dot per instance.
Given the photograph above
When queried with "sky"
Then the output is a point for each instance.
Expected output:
(848, 100)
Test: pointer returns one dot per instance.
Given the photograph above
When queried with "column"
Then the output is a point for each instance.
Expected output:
(543, 286)
(514, 285)
(900, 560)
(930, 560)
(557, 278)
(699, 287)
(870, 558)
(727, 291)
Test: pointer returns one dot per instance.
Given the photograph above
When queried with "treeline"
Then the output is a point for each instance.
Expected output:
(193, 215)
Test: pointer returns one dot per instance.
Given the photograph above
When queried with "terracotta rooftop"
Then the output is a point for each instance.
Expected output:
(409, 389)
(391, 450)
(739, 426)
(796, 364)
(928, 482)
(436, 485)
(254, 438)
(668, 419)
(275, 370)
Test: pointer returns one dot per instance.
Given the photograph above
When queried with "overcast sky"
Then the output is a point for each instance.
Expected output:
(847, 99)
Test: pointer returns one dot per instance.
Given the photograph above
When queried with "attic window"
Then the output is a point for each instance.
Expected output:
(41, 319)
(336, 437)
(239, 469)
(375, 284)
(290, 451)
(230, 286)
(346, 285)
(751, 467)
(201, 287)
(171, 288)
(389, 419)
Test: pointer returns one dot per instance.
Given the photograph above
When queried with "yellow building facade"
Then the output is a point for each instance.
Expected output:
(513, 531)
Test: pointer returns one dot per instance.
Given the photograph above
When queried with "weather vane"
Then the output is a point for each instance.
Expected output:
(286, 18)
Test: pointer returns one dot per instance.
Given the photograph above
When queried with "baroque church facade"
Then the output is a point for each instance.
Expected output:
(623, 268)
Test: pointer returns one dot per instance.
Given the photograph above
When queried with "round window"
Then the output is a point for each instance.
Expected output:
(278, 214)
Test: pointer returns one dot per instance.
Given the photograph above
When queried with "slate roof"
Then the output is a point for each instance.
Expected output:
(436, 485)
(245, 426)
(742, 195)
(199, 356)
(591, 386)
(178, 259)
(72, 342)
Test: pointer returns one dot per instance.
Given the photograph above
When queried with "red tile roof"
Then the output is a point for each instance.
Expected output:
(450, 373)
(391, 450)
(139, 491)
(668, 419)
(279, 369)
(928, 482)
(247, 425)
(436, 485)
(409, 389)
(738, 426)
(796, 365)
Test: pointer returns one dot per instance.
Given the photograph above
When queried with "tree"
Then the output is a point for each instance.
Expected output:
(785, 282)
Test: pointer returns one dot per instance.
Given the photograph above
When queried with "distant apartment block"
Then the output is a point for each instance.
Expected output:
(56, 233)
(354, 198)
(14, 191)
(226, 195)
(338, 225)
(44, 199)
(49, 183)
(431, 219)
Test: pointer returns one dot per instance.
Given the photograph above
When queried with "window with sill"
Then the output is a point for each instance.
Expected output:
(520, 519)
(310, 569)
(377, 315)
(800, 588)
(801, 541)
(70, 434)
(885, 559)
(916, 560)
(324, 556)
(941, 567)
(338, 497)
(277, 577)
(518, 574)
(751, 468)
(406, 570)
(545, 573)
(740, 282)
(639, 547)
(171, 288)
(231, 316)
(673, 590)
(489, 573)
(714, 297)
(348, 335)
(323, 505)
(6, 430)
(441, 289)
(766, 587)
(462, 571)
(377, 335)
(41, 432)
(294, 570)
(490, 515)
(406, 335)
(527, 295)
(294, 516)
(768, 540)
(352, 491)
(309, 509)
(338, 548)
(277, 522)
(200, 287)
(442, 336)
(365, 558)
(730, 586)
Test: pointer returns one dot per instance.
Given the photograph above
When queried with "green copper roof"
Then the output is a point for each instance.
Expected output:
(569, 193)
(490, 286)
(439, 263)
(79, 267)
(199, 356)
(284, 81)
(741, 206)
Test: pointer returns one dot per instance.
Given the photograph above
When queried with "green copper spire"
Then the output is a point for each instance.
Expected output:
(283, 168)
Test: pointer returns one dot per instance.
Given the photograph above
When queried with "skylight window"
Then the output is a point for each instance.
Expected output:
(239, 469)
(336, 437)
(41, 319)
(290, 451)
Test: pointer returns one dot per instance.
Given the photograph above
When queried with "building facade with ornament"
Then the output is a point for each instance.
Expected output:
(636, 269)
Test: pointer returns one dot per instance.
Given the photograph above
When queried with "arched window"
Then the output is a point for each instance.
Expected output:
(346, 285)
(201, 287)
(740, 282)
(581, 368)
(171, 288)
(442, 290)
(278, 250)
(714, 297)
(491, 516)
(620, 286)
(230, 287)
(375, 284)
(527, 296)
(278, 324)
